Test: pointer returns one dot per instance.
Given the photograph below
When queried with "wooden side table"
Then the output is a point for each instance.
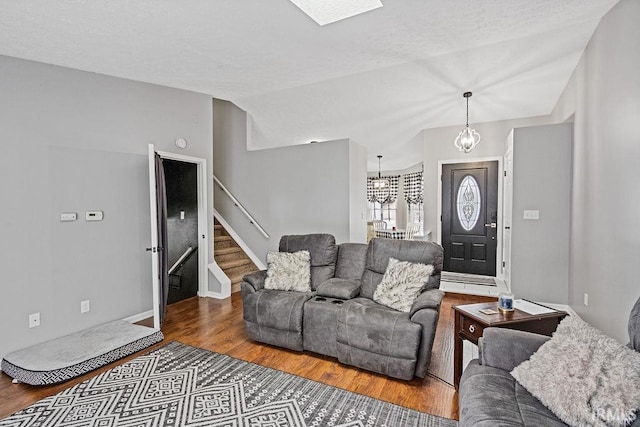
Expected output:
(470, 325)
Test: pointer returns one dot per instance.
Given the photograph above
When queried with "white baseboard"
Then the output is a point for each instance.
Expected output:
(216, 295)
(138, 317)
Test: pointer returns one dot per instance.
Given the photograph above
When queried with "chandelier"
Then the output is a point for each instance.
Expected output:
(467, 138)
(381, 186)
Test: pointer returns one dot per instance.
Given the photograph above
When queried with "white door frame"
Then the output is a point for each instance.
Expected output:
(499, 213)
(203, 225)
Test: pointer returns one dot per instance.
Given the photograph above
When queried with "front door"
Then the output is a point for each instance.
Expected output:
(470, 217)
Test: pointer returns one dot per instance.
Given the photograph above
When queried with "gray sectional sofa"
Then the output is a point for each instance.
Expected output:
(490, 396)
(339, 317)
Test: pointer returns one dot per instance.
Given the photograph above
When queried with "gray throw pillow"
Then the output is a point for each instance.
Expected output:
(401, 284)
(288, 271)
(583, 376)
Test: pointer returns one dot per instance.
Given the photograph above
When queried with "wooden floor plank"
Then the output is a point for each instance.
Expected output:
(217, 325)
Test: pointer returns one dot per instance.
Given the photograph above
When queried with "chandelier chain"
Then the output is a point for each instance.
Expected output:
(467, 111)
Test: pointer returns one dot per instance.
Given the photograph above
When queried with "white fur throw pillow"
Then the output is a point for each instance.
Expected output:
(401, 284)
(288, 271)
(583, 376)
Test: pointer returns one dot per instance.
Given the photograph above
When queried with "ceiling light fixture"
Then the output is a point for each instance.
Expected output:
(467, 138)
(327, 11)
(381, 186)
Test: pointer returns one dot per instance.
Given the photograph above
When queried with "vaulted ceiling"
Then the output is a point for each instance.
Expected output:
(378, 78)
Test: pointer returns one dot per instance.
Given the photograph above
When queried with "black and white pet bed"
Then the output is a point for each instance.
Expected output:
(76, 354)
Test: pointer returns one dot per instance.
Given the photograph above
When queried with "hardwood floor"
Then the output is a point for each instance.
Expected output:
(217, 325)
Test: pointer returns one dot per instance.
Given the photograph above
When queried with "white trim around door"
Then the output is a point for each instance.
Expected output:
(499, 159)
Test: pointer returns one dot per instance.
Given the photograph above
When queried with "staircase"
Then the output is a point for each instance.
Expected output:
(230, 257)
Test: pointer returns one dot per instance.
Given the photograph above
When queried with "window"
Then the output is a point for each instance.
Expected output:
(468, 202)
(415, 213)
(386, 212)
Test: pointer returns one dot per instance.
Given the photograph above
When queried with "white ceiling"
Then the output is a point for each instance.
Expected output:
(378, 78)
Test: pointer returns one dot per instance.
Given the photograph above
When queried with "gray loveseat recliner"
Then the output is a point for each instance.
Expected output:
(339, 317)
(490, 396)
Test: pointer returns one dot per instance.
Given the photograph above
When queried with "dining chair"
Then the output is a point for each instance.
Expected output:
(379, 224)
(411, 230)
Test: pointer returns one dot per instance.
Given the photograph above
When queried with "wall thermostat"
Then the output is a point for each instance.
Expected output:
(181, 143)
(93, 216)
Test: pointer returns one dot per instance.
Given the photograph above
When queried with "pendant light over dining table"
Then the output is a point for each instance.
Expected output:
(467, 138)
(381, 186)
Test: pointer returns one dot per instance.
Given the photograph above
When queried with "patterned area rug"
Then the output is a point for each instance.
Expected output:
(178, 385)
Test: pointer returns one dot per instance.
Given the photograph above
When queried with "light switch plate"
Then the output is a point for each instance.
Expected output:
(94, 215)
(533, 214)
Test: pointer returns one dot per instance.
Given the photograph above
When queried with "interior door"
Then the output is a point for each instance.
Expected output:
(470, 217)
(155, 253)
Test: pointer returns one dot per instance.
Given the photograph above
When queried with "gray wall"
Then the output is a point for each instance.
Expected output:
(76, 141)
(289, 190)
(541, 181)
(438, 146)
(603, 95)
(357, 193)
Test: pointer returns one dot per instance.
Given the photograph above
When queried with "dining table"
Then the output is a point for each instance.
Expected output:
(397, 234)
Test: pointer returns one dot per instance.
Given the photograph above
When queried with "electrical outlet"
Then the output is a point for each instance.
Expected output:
(85, 306)
(34, 320)
(586, 299)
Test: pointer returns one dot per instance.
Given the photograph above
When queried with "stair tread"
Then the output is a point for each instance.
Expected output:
(226, 251)
(237, 278)
(222, 238)
(235, 263)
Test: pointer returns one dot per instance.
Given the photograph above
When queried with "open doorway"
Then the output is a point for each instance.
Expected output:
(159, 235)
(182, 228)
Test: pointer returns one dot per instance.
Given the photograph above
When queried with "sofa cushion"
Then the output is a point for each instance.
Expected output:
(351, 259)
(323, 251)
(584, 376)
(377, 338)
(375, 328)
(275, 309)
(490, 397)
(339, 288)
(288, 271)
(401, 284)
(380, 250)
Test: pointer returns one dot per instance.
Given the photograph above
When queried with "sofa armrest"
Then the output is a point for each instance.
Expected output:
(430, 298)
(507, 348)
(425, 312)
(256, 279)
(339, 288)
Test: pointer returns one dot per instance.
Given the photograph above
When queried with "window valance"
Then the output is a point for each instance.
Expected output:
(383, 196)
(413, 187)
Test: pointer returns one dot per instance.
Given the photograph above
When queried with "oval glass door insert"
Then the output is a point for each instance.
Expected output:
(468, 202)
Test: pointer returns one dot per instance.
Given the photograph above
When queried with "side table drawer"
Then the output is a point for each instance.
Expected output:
(471, 328)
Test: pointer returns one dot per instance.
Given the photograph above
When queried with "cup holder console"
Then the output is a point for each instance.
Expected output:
(333, 301)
